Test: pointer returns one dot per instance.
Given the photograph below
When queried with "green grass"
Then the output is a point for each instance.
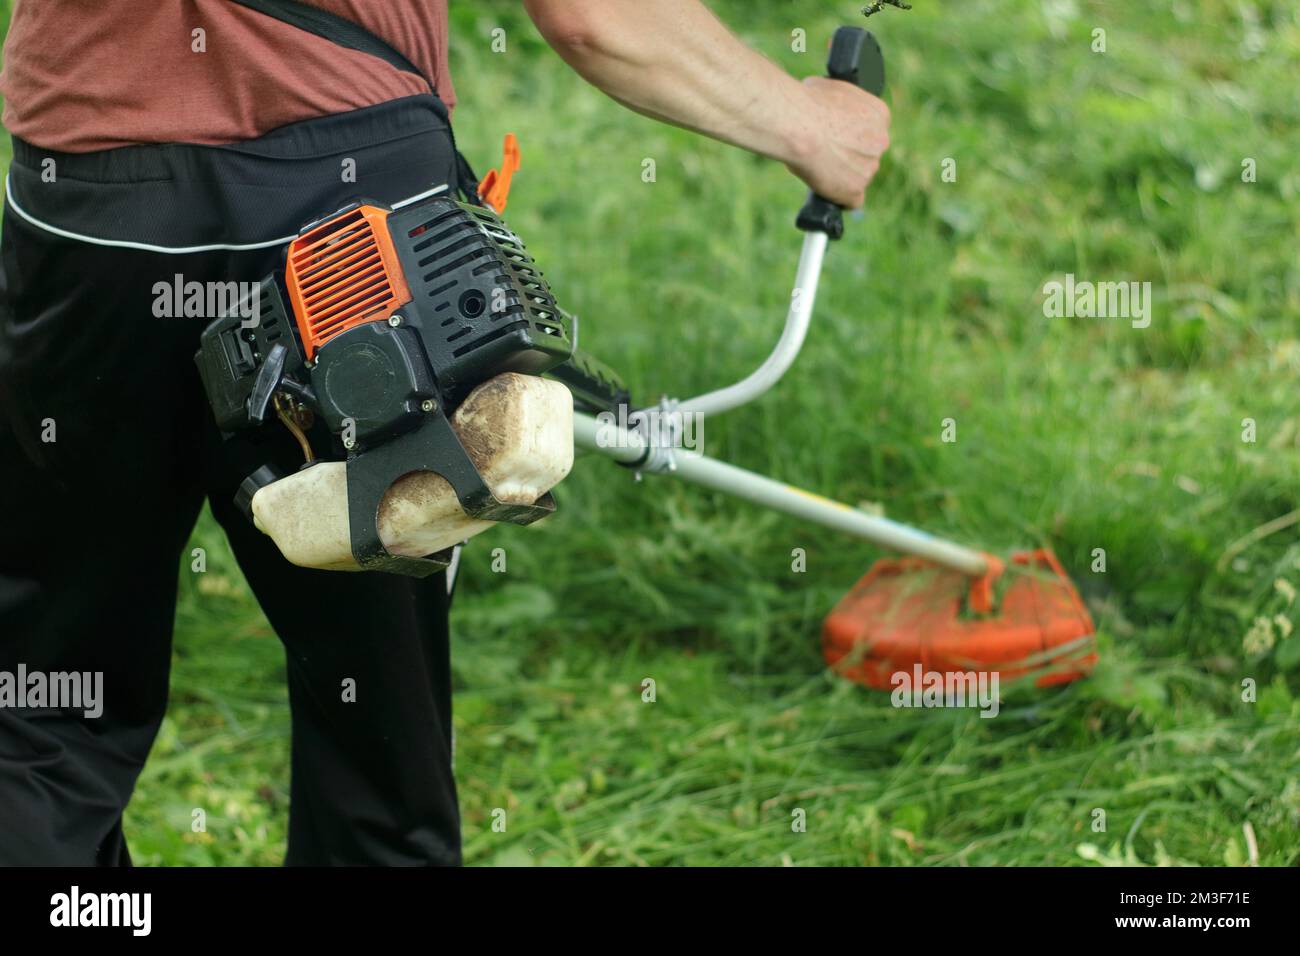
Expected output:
(1072, 433)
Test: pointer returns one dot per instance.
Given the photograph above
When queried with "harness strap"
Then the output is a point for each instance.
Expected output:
(353, 36)
(334, 28)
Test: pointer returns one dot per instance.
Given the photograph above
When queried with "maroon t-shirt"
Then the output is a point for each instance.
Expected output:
(82, 75)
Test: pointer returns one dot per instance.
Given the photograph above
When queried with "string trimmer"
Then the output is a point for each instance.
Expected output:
(421, 362)
(945, 607)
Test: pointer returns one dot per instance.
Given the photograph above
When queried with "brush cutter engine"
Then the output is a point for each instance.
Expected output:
(381, 324)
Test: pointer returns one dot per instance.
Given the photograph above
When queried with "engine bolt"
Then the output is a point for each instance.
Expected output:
(428, 405)
(349, 443)
(395, 319)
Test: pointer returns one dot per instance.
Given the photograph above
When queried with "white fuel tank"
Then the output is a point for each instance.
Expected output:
(518, 431)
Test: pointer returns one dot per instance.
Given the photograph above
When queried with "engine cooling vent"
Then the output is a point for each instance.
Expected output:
(536, 304)
(343, 273)
(486, 307)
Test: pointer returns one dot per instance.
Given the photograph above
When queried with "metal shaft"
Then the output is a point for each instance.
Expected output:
(628, 447)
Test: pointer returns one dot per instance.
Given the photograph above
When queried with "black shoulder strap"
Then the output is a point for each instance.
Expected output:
(354, 36)
(335, 29)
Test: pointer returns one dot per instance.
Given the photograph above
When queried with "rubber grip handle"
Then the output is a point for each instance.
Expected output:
(855, 58)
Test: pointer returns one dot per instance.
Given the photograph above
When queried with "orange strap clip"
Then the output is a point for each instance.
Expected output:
(494, 188)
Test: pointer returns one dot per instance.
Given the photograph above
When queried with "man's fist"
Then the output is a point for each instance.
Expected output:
(845, 131)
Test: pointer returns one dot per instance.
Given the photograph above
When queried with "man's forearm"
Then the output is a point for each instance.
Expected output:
(673, 60)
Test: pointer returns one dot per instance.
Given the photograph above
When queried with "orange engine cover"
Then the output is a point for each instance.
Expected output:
(907, 611)
(342, 273)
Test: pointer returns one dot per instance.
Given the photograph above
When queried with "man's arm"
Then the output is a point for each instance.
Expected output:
(673, 60)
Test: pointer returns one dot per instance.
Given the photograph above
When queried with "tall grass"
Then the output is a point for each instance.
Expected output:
(1072, 433)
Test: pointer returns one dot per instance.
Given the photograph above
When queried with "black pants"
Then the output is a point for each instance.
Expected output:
(93, 524)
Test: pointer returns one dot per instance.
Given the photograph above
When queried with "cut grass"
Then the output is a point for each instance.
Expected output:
(1072, 433)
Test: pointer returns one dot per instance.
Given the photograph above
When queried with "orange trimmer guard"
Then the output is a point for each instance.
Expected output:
(907, 611)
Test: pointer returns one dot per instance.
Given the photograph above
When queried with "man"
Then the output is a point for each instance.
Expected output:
(192, 138)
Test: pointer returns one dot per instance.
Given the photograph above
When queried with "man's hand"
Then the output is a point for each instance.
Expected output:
(674, 61)
(847, 133)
